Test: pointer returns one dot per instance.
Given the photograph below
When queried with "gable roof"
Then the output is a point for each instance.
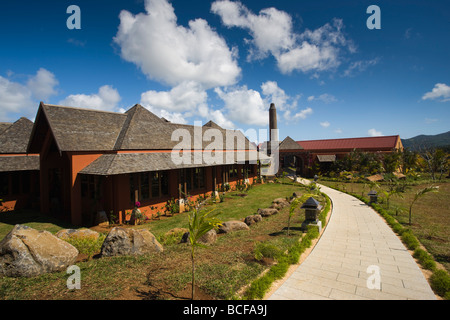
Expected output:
(76, 129)
(14, 137)
(366, 143)
(289, 144)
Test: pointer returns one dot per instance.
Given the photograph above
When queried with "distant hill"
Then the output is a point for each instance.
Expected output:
(441, 140)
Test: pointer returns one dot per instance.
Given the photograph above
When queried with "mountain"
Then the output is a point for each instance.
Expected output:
(441, 140)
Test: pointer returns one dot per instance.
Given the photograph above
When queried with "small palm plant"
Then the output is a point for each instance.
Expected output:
(294, 205)
(199, 224)
(419, 194)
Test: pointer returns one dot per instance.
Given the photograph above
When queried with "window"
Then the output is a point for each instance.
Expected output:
(232, 171)
(155, 185)
(150, 185)
(145, 186)
(192, 179)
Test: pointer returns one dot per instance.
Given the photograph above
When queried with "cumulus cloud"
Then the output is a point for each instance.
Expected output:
(272, 33)
(441, 92)
(250, 107)
(244, 105)
(325, 124)
(374, 133)
(22, 99)
(173, 54)
(43, 84)
(106, 99)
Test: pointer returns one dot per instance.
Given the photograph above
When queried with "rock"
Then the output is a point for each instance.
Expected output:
(77, 233)
(26, 252)
(101, 219)
(267, 212)
(123, 241)
(249, 220)
(279, 203)
(233, 225)
(208, 238)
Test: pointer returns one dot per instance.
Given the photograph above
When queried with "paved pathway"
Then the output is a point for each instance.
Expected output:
(356, 246)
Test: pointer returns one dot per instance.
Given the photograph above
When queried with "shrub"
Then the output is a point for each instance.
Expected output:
(87, 245)
(425, 259)
(410, 240)
(266, 250)
(440, 282)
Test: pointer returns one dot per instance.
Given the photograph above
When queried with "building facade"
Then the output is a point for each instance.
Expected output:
(93, 161)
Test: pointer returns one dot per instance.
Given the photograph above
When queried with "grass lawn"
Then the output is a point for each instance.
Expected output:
(430, 214)
(222, 269)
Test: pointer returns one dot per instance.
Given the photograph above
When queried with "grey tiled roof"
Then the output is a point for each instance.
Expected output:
(14, 137)
(112, 164)
(19, 163)
(78, 129)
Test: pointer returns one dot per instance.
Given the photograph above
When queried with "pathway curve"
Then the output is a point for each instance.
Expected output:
(356, 249)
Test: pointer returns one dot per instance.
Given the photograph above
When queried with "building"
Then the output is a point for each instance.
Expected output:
(93, 161)
(303, 154)
(19, 171)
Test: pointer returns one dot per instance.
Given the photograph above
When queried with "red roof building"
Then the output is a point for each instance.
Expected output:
(344, 146)
(303, 154)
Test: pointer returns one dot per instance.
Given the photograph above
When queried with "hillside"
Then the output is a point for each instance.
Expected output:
(441, 140)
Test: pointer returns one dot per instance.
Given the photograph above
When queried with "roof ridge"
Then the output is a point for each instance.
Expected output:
(78, 108)
(391, 136)
(126, 125)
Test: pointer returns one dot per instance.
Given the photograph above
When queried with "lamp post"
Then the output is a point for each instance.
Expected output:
(312, 209)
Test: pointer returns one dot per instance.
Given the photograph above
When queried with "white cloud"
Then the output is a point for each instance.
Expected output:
(14, 98)
(303, 114)
(244, 105)
(105, 99)
(374, 133)
(440, 91)
(272, 33)
(325, 98)
(43, 84)
(173, 54)
(188, 96)
(325, 124)
(359, 66)
(23, 99)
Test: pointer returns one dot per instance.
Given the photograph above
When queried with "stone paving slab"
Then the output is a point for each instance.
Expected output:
(355, 247)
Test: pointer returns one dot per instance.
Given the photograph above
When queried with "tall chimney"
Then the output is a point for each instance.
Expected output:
(273, 129)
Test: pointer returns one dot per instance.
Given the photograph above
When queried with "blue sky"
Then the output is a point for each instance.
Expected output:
(328, 74)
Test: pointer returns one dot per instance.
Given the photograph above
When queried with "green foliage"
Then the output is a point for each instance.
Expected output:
(440, 282)
(420, 194)
(172, 207)
(410, 240)
(267, 250)
(199, 224)
(87, 245)
(425, 259)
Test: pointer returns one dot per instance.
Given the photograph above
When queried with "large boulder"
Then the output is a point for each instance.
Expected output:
(208, 238)
(267, 212)
(233, 225)
(255, 218)
(66, 234)
(123, 241)
(26, 252)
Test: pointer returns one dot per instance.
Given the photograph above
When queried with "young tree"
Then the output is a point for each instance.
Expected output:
(418, 195)
(199, 224)
(294, 205)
